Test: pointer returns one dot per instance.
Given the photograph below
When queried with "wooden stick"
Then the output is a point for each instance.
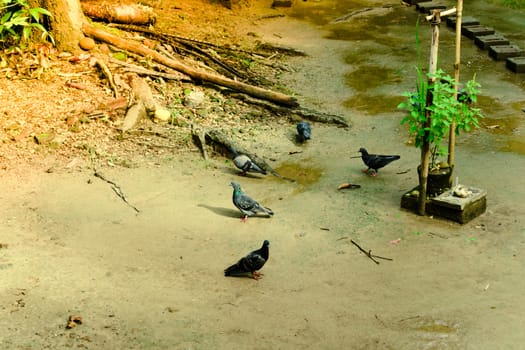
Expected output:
(369, 253)
(105, 70)
(457, 61)
(425, 148)
(116, 188)
(198, 75)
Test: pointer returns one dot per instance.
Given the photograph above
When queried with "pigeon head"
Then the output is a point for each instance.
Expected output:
(236, 186)
(363, 150)
(266, 243)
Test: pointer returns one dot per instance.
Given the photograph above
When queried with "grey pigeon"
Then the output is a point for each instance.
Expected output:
(304, 131)
(246, 204)
(245, 164)
(376, 161)
(251, 263)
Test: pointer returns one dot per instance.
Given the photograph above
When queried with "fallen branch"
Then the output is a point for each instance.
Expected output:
(136, 14)
(105, 70)
(144, 105)
(116, 188)
(225, 145)
(128, 67)
(369, 253)
(350, 15)
(199, 138)
(300, 112)
(195, 74)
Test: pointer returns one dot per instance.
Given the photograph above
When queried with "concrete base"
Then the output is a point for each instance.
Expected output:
(449, 206)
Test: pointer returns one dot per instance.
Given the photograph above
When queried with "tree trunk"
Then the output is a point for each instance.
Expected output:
(66, 23)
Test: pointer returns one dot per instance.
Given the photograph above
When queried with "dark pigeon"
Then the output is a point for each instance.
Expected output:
(375, 161)
(251, 263)
(304, 131)
(246, 204)
(245, 164)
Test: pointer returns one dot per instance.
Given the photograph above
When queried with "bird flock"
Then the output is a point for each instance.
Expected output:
(250, 264)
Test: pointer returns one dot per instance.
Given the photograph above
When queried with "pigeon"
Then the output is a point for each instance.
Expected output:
(375, 161)
(246, 204)
(304, 131)
(246, 165)
(250, 263)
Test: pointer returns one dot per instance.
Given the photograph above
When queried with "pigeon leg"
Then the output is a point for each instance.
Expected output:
(256, 275)
(244, 218)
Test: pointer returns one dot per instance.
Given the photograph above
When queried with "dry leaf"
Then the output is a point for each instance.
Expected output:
(348, 185)
(73, 321)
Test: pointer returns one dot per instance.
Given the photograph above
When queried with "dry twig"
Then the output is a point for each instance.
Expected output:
(116, 188)
(369, 253)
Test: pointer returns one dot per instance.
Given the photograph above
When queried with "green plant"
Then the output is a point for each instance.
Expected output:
(18, 20)
(444, 111)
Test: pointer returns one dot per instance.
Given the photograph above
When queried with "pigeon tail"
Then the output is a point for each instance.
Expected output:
(267, 211)
(235, 270)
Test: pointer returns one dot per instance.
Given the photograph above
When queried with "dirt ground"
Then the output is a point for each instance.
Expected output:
(153, 279)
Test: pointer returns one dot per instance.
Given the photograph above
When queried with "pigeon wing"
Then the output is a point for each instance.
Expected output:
(252, 262)
(246, 203)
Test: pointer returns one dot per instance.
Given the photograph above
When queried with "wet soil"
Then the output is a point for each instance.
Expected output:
(153, 279)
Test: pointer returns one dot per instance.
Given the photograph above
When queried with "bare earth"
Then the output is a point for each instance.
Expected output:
(154, 279)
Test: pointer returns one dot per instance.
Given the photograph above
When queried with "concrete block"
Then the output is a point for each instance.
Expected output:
(486, 41)
(465, 21)
(476, 30)
(516, 64)
(502, 52)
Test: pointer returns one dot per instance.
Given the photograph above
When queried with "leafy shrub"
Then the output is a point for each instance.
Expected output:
(444, 110)
(18, 20)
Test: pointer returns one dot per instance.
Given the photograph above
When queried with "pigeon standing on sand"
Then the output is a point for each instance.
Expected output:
(304, 131)
(245, 164)
(375, 161)
(246, 204)
(251, 263)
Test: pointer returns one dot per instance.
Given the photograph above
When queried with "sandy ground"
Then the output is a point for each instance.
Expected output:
(153, 279)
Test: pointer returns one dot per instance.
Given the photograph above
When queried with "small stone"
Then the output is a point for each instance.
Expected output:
(162, 114)
(86, 44)
(194, 99)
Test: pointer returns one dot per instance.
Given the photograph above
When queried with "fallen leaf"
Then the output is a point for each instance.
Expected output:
(76, 85)
(73, 321)
(395, 241)
(348, 185)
